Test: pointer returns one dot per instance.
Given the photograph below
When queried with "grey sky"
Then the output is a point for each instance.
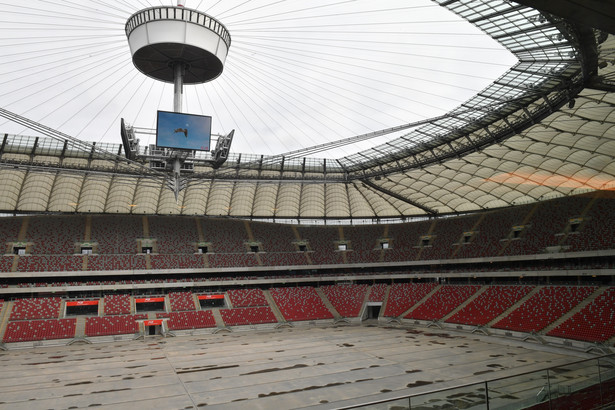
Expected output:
(297, 74)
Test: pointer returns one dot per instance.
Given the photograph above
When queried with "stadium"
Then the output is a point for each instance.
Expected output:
(384, 206)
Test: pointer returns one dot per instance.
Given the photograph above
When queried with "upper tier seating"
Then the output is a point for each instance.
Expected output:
(116, 234)
(594, 323)
(594, 234)
(117, 304)
(364, 237)
(405, 240)
(55, 236)
(363, 256)
(544, 307)
(322, 243)
(346, 299)
(275, 238)
(248, 316)
(229, 260)
(112, 325)
(9, 229)
(403, 296)
(173, 235)
(177, 261)
(247, 297)
(283, 259)
(6, 263)
(52, 241)
(46, 329)
(364, 243)
(447, 298)
(377, 293)
(227, 236)
(446, 236)
(189, 319)
(490, 304)
(493, 228)
(50, 263)
(551, 219)
(116, 262)
(181, 301)
(300, 303)
(36, 308)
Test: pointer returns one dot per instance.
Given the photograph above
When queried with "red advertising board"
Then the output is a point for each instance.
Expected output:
(149, 300)
(82, 303)
(207, 297)
(152, 322)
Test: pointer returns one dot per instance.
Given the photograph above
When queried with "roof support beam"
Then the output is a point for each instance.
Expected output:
(6, 136)
(526, 30)
(594, 13)
(400, 197)
(601, 83)
(497, 13)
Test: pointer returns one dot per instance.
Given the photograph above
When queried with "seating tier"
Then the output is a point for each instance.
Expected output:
(442, 302)
(544, 307)
(300, 303)
(248, 316)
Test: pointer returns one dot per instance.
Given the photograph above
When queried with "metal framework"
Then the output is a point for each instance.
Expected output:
(545, 128)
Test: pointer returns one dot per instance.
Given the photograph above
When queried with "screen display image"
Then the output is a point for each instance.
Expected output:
(183, 131)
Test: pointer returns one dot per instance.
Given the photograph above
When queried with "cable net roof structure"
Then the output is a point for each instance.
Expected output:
(544, 128)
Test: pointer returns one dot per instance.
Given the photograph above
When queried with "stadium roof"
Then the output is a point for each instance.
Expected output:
(544, 128)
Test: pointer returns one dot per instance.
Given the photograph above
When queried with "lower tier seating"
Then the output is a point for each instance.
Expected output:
(189, 320)
(544, 307)
(489, 305)
(112, 325)
(36, 308)
(46, 329)
(442, 302)
(378, 292)
(247, 297)
(248, 316)
(594, 323)
(117, 304)
(541, 306)
(181, 301)
(403, 296)
(346, 299)
(300, 303)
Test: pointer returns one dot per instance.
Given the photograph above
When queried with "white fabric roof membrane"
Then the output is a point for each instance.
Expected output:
(569, 151)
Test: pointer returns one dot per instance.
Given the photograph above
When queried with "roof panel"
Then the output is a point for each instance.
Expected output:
(12, 181)
(312, 201)
(219, 199)
(195, 198)
(243, 198)
(168, 205)
(146, 198)
(121, 196)
(94, 194)
(36, 191)
(337, 203)
(288, 200)
(65, 193)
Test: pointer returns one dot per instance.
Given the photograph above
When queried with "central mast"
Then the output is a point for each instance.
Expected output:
(178, 45)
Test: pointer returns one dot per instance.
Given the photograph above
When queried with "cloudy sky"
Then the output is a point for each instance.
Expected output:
(298, 73)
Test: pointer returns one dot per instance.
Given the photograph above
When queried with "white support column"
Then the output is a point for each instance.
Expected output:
(179, 69)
